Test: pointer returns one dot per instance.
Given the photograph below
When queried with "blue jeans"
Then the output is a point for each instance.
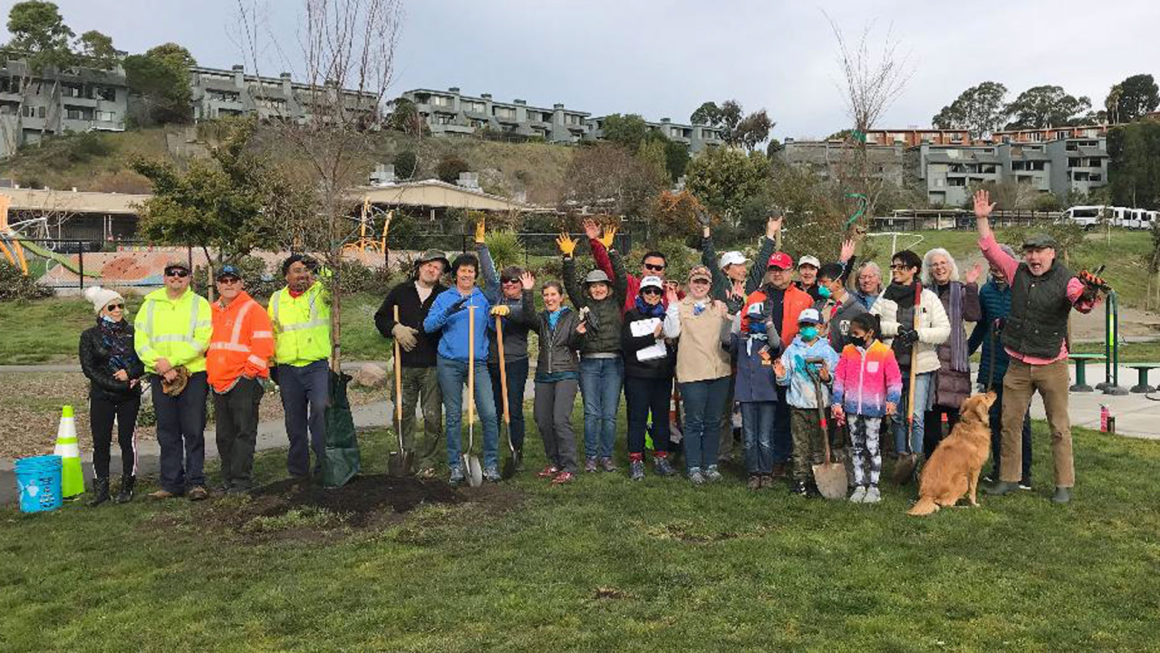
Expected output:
(996, 419)
(452, 377)
(305, 392)
(782, 437)
(600, 381)
(922, 395)
(757, 425)
(517, 378)
(704, 401)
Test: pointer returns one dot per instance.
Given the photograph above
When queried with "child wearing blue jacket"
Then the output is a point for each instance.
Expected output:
(756, 391)
(450, 318)
(793, 369)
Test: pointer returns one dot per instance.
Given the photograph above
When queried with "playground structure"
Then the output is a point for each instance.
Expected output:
(367, 218)
(14, 240)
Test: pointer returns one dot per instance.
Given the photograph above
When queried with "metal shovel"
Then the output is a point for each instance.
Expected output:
(401, 462)
(829, 476)
(908, 458)
(470, 462)
(509, 465)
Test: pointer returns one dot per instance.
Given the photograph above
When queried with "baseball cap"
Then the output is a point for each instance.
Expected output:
(809, 260)
(177, 263)
(809, 316)
(756, 311)
(731, 258)
(781, 261)
(652, 282)
(700, 272)
(1039, 241)
(228, 271)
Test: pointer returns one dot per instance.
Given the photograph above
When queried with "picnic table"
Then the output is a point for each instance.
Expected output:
(1081, 361)
(1142, 370)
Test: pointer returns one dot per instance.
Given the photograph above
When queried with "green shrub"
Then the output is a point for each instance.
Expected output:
(506, 249)
(16, 286)
(449, 167)
(405, 163)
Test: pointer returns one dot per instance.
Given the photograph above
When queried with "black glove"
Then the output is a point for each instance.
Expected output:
(907, 336)
(734, 303)
(458, 305)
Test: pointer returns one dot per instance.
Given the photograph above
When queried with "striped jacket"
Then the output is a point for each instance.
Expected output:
(866, 379)
(241, 345)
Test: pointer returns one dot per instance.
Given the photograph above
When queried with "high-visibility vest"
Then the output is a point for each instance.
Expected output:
(301, 325)
(175, 329)
(242, 342)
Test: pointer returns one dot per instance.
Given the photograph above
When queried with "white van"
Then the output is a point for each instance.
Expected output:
(1085, 216)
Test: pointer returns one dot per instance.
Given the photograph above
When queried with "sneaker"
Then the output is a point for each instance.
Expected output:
(711, 474)
(456, 478)
(197, 493)
(858, 495)
(1062, 495)
(548, 472)
(766, 480)
(1025, 484)
(799, 488)
(754, 482)
(989, 478)
(607, 465)
(563, 477)
(636, 470)
(872, 495)
(695, 476)
(662, 467)
(590, 465)
(491, 475)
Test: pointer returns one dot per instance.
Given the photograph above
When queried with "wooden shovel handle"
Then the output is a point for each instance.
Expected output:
(502, 369)
(398, 375)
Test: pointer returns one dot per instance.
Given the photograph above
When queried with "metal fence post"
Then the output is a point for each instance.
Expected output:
(81, 266)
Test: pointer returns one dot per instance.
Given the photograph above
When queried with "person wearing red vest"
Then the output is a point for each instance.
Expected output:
(237, 361)
(783, 303)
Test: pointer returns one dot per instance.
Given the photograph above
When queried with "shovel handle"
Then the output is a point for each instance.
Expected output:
(398, 375)
(470, 376)
(502, 369)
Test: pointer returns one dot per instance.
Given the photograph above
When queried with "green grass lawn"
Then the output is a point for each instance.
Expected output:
(606, 564)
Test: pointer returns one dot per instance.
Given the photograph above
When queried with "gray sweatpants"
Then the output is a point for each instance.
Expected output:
(553, 413)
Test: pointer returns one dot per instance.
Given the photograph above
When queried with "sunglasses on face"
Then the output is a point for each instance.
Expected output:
(899, 266)
(115, 307)
(177, 272)
(510, 280)
(650, 291)
(654, 268)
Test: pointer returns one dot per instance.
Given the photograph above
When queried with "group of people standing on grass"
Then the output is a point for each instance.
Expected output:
(184, 349)
(744, 335)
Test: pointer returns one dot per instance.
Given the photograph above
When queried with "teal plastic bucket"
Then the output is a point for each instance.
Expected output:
(38, 479)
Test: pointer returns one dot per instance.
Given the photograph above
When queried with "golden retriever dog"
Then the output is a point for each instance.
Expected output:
(953, 468)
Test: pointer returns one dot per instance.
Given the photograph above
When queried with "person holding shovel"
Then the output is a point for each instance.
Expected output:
(809, 355)
(995, 303)
(914, 324)
(451, 317)
(413, 299)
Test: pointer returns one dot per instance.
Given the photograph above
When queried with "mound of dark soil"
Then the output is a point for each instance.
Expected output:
(359, 502)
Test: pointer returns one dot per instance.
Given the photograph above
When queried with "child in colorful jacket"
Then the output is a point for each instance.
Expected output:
(795, 370)
(867, 386)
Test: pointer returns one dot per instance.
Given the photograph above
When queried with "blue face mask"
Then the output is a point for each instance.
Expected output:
(809, 332)
(108, 319)
(756, 327)
(823, 291)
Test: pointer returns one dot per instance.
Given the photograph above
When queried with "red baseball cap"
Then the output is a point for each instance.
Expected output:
(780, 260)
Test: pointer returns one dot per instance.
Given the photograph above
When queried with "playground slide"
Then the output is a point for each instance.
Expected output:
(16, 240)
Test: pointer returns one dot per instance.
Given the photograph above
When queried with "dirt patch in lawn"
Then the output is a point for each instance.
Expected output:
(358, 502)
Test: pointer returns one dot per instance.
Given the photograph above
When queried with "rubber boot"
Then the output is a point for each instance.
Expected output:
(100, 492)
(127, 485)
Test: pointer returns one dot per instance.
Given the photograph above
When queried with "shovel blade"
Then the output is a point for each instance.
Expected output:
(474, 472)
(509, 468)
(831, 480)
(395, 464)
(904, 468)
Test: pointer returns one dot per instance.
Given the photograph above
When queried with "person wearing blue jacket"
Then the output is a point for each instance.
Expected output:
(756, 391)
(449, 316)
(795, 370)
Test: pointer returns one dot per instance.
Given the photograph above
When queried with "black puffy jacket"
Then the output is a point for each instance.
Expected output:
(95, 364)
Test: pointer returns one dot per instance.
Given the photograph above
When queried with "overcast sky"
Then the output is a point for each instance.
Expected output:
(663, 58)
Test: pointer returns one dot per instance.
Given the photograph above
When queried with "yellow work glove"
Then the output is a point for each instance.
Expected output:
(501, 311)
(566, 244)
(608, 237)
(480, 229)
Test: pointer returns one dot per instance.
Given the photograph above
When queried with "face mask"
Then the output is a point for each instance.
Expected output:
(756, 327)
(809, 333)
(823, 292)
(106, 318)
(858, 341)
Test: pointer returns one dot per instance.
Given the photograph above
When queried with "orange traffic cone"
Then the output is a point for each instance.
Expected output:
(72, 479)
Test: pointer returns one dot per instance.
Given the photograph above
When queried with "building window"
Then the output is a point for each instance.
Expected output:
(476, 107)
(106, 116)
(440, 101)
(106, 93)
(504, 112)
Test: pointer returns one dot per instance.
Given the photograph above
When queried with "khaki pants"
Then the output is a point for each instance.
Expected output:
(1051, 381)
(421, 386)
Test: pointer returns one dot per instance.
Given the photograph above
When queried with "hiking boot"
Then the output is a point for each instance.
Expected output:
(163, 494)
(662, 467)
(456, 478)
(607, 465)
(858, 495)
(780, 470)
(1062, 495)
(491, 475)
(100, 492)
(767, 480)
(563, 477)
(695, 476)
(754, 482)
(127, 485)
(590, 464)
(197, 493)
(711, 474)
(799, 488)
(1001, 488)
(872, 495)
(548, 472)
(636, 470)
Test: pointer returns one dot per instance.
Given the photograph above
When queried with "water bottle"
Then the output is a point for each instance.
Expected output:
(1104, 415)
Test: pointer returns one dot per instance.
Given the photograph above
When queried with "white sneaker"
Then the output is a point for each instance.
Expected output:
(859, 494)
(872, 495)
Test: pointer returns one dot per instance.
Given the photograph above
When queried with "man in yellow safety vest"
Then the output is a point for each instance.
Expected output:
(300, 315)
(173, 329)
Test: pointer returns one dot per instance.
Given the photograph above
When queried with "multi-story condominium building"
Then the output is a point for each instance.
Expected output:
(827, 159)
(947, 172)
(451, 112)
(58, 101)
(218, 93)
(912, 137)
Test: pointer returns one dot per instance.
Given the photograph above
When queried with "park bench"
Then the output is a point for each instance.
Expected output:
(1081, 361)
(1142, 370)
